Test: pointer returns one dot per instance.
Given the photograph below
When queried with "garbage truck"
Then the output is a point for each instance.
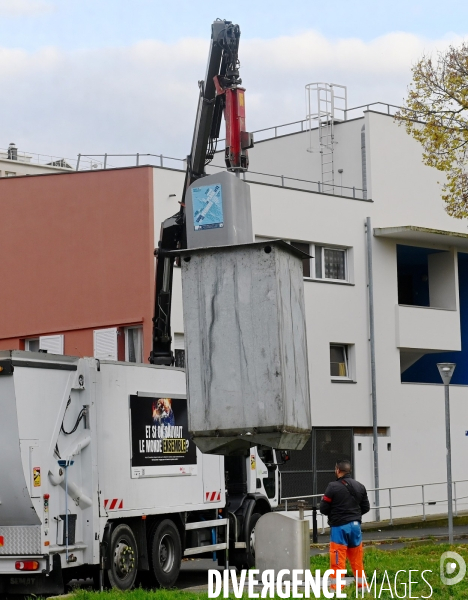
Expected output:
(99, 477)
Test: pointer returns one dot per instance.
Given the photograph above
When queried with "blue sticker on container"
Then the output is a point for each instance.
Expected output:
(207, 203)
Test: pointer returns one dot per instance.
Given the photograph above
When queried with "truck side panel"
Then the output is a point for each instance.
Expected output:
(159, 492)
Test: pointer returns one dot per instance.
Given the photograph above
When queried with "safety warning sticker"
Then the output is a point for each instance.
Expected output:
(207, 203)
(37, 476)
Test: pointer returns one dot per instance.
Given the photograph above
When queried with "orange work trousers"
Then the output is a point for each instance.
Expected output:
(338, 555)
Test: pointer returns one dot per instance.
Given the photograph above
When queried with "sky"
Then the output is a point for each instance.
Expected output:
(120, 76)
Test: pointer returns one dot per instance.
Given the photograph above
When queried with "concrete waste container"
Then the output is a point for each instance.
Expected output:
(246, 347)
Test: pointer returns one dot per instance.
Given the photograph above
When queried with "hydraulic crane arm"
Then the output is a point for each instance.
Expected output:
(219, 92)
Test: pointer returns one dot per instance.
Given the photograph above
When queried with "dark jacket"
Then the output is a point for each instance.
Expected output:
(339, 504)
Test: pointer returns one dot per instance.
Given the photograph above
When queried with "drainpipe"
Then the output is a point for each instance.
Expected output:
(363, 162)
(370, 286)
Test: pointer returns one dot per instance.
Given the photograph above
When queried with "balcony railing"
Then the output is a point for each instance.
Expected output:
(427, 328)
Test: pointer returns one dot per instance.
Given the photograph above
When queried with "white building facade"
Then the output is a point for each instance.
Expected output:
(420, 295)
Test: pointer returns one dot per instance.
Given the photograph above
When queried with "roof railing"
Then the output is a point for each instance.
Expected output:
(251, 176)
(33, 158)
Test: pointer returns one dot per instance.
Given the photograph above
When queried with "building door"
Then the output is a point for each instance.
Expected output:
(297, 474)
(311, 469)
(329, 446)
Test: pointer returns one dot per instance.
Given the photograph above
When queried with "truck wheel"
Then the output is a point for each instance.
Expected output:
(123, 557)
(165, 553)
(251, 540)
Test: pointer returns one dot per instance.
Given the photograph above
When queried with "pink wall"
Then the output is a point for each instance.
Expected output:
(77, 254)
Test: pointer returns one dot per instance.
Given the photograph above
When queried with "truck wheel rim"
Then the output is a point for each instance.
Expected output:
(124, 559)
(166, 553)
(252, 541)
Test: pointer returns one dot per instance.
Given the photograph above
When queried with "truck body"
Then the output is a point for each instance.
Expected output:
(90, 448)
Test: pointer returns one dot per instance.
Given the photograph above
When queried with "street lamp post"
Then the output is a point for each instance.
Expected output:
(446, 371)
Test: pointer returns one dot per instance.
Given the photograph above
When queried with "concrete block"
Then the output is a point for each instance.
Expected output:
(282, 542)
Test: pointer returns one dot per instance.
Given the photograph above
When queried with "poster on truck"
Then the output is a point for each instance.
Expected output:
(160, 441)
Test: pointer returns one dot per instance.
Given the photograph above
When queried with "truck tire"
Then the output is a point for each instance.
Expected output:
(251, 540)
(165, 553)
(123, 558)
(245, 559)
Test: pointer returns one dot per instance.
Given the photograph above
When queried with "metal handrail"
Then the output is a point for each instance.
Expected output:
(391, 506)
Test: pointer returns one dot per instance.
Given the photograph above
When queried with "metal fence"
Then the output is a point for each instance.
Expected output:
(429, 503)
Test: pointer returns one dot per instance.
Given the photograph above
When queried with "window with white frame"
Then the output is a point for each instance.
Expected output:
(327, 262)
(134, 344)
(339, 361)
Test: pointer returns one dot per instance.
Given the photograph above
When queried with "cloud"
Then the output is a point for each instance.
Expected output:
(17, 8)
(143, 98)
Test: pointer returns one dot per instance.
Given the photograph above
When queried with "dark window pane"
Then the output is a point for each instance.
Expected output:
(306, 262)
(334, 261)
(131, 346)
(318, 262)
(179, 359)
(33, 345)
(338, 367)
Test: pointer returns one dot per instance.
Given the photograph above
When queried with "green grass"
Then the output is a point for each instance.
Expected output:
(139, 594)
(416, 557)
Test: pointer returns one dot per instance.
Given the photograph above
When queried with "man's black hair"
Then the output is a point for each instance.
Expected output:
(344, 465)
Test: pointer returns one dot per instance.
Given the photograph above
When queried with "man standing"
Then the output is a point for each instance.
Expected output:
(344, 502)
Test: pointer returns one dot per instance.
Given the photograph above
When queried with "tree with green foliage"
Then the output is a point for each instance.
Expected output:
(435, 113)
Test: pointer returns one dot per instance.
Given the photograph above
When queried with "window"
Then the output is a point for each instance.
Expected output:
(330, 263)
(338, 361)
(10, 174)
(134, 344)
(52, 344)
(326, 263)
(32, 345)
(179, 350)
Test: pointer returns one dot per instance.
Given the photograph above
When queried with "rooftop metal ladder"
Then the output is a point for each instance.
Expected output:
(323, 101)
